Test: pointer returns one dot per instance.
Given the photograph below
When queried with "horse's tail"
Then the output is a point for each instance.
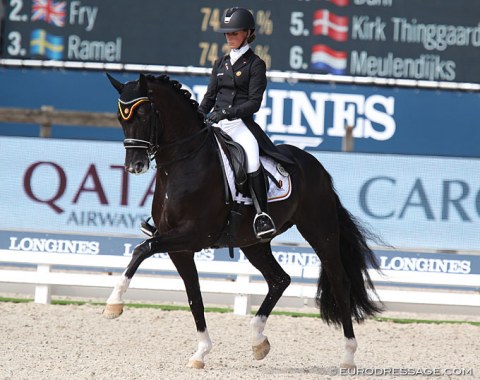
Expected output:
(356, 258)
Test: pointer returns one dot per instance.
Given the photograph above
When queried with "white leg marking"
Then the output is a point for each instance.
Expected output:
(204, 347)
(120, 288)
(260, 343)
(350, 348)
(258, 325)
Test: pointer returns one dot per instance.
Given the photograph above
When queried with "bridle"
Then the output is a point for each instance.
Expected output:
(152, 147)
(126, 110)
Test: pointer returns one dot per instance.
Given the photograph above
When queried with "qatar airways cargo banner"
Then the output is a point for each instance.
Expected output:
(81, 187)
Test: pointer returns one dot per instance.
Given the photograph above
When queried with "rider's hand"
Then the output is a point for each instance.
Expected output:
(216, 116)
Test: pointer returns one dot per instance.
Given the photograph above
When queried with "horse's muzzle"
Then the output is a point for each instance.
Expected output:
(137, 167)
(136, 161)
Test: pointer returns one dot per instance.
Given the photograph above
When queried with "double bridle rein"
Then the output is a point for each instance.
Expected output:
(152, 147)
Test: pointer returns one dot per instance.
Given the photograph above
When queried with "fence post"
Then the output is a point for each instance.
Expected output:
(347, 141)
(42, 292)
(242, 302)
(46, 126)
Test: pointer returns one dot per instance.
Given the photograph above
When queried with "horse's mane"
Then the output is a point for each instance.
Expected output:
(176, 85)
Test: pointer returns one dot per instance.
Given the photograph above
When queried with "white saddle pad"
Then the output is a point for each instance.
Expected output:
(274, 193)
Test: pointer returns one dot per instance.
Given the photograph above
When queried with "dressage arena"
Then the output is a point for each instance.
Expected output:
(75, 342)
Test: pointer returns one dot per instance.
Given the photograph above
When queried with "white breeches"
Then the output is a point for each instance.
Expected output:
(240, 133)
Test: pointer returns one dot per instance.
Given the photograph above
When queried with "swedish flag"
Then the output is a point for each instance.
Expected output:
(45, 44)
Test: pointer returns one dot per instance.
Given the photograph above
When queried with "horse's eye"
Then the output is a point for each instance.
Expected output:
(143, 110)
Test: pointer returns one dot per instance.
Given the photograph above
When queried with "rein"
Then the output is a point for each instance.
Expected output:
(182, 141)
(152, 147)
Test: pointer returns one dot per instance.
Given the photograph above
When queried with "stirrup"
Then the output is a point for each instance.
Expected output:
(266, 233)
(148, 229)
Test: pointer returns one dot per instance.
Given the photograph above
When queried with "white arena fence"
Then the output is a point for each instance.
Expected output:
(398, 290)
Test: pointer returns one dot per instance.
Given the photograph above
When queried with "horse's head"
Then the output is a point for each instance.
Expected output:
(159, 119)
(136, 116)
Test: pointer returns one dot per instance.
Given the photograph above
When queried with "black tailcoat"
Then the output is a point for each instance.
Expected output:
(239, 89)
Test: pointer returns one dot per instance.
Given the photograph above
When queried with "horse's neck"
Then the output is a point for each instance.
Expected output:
(179, 118)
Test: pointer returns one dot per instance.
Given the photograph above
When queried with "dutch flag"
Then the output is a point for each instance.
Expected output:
(328, 60)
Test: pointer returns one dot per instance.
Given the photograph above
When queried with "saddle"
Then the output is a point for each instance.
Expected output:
(237, 159)
(235, 155)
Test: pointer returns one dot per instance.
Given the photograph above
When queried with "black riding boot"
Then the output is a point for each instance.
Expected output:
(263, 225)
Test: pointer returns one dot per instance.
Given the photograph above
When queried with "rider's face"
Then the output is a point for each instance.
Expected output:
(235, 39)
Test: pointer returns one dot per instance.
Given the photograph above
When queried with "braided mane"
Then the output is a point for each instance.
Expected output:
(163, 78)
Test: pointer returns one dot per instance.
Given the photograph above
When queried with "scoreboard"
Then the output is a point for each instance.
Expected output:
(422, 40)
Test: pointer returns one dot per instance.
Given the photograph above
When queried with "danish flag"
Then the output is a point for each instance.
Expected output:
(329, 24)
(50, 11)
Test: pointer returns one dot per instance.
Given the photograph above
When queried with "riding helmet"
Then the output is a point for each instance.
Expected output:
(235, 19)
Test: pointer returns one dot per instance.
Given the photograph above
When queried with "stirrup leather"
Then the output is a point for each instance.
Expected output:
(270, 228)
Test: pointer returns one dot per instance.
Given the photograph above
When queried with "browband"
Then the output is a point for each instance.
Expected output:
(126, 108)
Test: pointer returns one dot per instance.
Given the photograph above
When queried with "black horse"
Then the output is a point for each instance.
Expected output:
(190, 210)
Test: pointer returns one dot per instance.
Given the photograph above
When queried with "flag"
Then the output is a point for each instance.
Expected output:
(46, 45)
(50, 11)
(340, 3)
(329, 24)
(328, 60)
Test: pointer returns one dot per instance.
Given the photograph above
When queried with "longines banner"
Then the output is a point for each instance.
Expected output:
(311, 116)
(81, 187)
(304, 257)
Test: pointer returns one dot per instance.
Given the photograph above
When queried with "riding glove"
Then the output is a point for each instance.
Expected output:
(216, 116)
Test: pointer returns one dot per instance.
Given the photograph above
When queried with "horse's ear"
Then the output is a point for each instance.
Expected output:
(115, 83)
(143, 84)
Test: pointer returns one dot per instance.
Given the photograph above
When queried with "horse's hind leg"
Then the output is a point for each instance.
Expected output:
(261, 257)
(334, 285)
(114, 306)
(185, 264)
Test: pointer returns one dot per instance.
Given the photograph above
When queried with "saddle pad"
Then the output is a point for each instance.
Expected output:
(274, 193)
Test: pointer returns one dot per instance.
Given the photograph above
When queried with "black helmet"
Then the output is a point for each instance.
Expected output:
(235, 19)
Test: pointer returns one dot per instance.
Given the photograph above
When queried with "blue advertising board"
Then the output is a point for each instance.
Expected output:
(304, 257)
(312, 116)
(76, 186)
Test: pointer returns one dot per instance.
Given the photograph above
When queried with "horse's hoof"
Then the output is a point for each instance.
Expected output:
(197, 364)
(112, 311)
(262, 350)
(348, 365)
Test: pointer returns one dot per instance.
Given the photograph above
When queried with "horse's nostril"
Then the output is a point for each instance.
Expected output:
(139, 167)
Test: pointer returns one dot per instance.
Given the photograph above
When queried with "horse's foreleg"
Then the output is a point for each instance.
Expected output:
(114, 306)
(261, 258)
(185, 264)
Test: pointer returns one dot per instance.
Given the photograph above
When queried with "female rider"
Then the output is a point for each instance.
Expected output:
(235, 93)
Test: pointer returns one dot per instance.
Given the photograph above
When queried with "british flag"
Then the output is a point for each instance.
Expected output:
(50, 11)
